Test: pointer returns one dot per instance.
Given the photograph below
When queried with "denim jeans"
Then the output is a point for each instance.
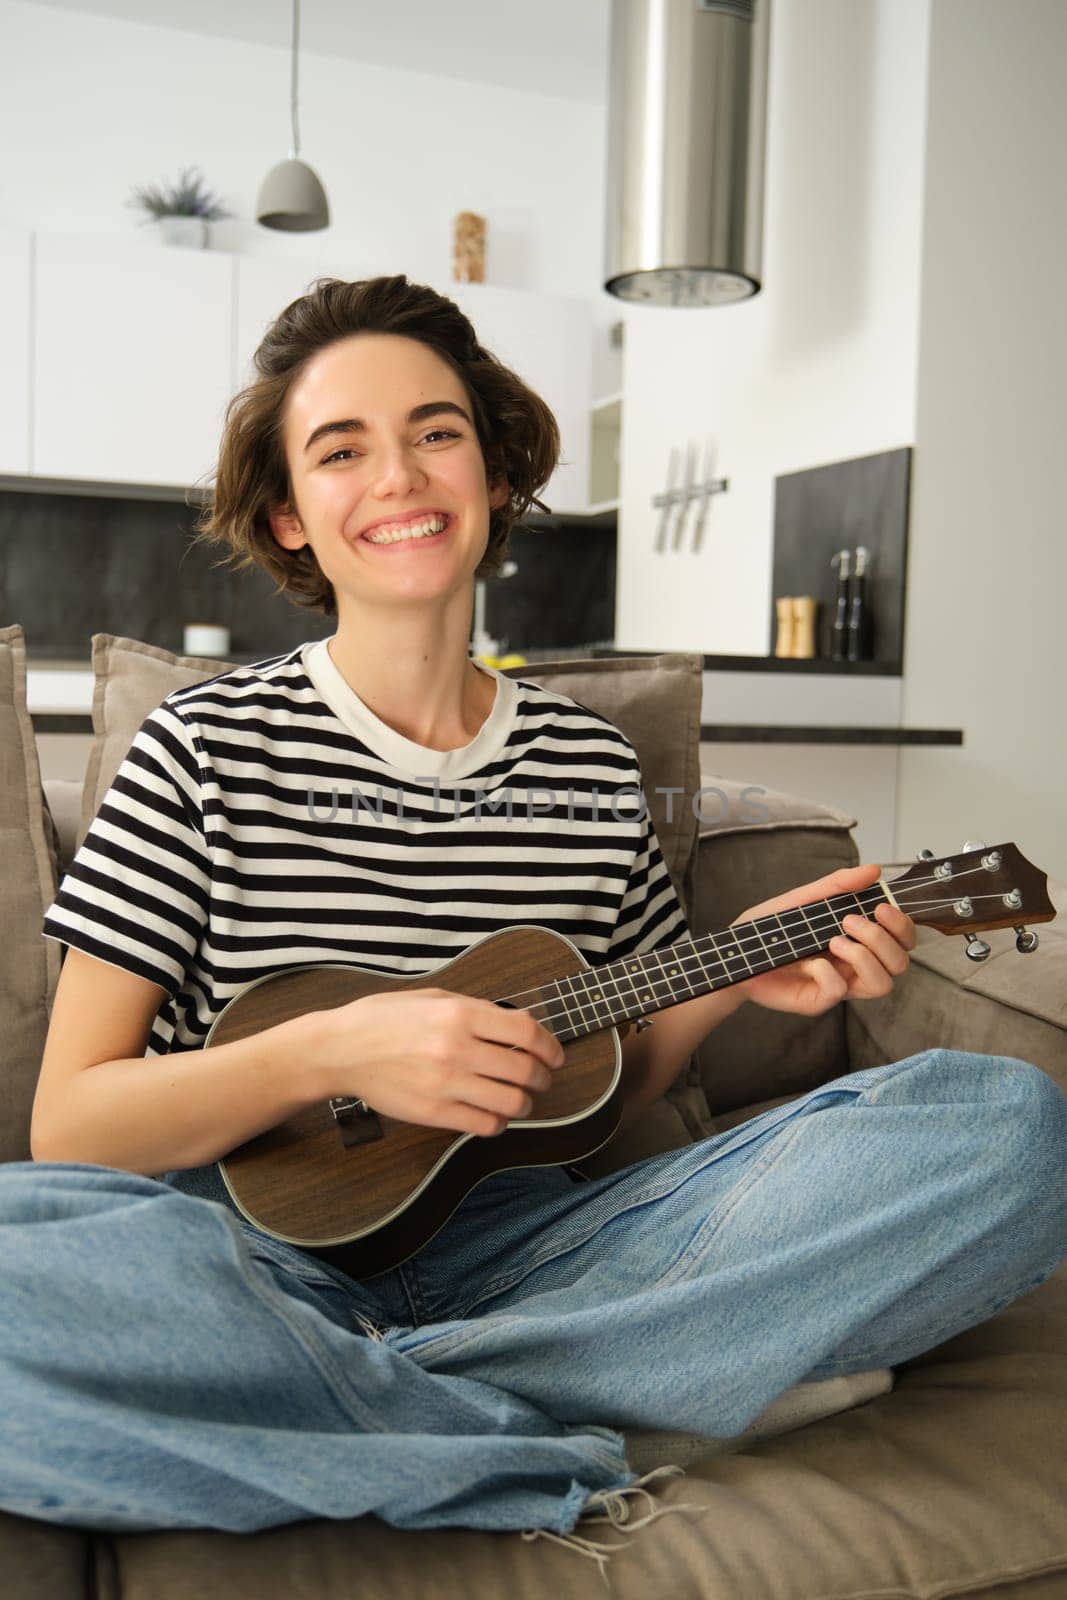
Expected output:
(165, 1365)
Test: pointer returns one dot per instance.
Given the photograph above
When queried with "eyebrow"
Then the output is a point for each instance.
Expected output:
(431, 408)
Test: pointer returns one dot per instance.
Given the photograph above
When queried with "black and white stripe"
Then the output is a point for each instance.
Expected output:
(231, 846)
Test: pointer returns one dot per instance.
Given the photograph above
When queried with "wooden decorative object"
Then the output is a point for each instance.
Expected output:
(803, 627)
(468, 248)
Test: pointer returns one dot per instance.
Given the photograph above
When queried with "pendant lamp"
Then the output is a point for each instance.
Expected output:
(687, 115)
(292, 199)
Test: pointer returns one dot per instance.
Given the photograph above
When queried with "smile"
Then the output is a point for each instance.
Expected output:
(429, 529)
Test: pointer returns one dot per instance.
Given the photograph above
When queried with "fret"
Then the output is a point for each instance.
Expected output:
(576, 997)
(616, 1002)
(644, 996)
(773, 956)
(677, 973)
(785, 934)
(569, 1023)
(798, 930)
(730, 950)
(709, 982)
(600, 1003)
(816, 943)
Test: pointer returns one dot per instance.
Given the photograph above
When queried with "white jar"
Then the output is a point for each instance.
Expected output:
(206, 639)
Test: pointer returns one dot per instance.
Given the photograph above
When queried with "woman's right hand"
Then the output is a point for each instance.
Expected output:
(434, 1057)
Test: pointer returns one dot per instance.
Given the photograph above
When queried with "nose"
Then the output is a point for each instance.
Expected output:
(399, 470)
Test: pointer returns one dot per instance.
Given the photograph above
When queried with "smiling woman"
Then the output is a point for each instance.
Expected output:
(515, 431)
(376, 467)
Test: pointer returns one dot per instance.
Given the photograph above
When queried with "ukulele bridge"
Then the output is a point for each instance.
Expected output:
(356, 1122)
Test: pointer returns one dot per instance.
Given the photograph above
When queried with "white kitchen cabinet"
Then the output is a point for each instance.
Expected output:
(264, 287)
(548, 340)
(604, 452)
(137, 351)
(133, 360)
(15, 297)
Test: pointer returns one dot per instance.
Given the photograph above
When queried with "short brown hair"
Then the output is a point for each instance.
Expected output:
(518, 434)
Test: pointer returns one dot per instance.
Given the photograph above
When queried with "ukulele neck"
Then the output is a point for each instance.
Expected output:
(621, 991)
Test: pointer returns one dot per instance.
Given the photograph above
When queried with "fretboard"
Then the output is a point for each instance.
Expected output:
(620, 991)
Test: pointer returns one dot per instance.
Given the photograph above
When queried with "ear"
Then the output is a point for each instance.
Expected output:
(287, 528)
(499, 490)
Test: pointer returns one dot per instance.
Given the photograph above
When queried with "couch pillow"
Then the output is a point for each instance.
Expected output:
(29, 963)
(756, 843)
(131, 679)
(655, 700)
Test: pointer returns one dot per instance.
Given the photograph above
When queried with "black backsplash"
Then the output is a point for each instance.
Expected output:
(863, 501)
(72, 565)
(75, 565)
(563, 593)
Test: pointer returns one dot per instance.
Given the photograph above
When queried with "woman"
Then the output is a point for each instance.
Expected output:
(217, 1377)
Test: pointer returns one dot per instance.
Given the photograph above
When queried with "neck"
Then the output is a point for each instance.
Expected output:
(620, 991)
(414, 673)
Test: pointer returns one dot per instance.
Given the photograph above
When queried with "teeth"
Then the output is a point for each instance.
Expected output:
(413, 530)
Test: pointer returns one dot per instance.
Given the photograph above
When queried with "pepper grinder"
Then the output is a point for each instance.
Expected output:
(784, 643)
(859, 611)
(803, 627)
(839, 629)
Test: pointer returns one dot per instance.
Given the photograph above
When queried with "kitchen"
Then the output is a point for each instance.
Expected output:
(853, 358)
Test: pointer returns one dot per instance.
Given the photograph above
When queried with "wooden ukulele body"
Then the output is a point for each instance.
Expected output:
(367, 1191)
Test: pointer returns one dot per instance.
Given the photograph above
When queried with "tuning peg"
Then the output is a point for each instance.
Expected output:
(925, 855)
(977, 949)
(974, 844)
(1025, 941)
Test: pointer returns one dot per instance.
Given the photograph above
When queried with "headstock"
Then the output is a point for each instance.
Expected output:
(984, 886)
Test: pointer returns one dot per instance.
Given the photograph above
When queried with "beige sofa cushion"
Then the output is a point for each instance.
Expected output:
(1010, 1004)
(950, 1488)
(655, 700)
(29, 963)
(744, 859)
(130, 680)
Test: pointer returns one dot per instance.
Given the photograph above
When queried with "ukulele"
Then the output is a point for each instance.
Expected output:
(364, 1191)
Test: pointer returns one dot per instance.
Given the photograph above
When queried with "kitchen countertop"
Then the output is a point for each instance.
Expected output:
(60, 695)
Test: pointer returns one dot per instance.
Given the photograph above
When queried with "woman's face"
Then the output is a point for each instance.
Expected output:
(362, 450)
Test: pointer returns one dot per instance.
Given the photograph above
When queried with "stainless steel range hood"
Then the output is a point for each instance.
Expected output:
(687, 119)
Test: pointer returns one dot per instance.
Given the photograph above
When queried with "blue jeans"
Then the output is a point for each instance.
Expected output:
(164, 1365)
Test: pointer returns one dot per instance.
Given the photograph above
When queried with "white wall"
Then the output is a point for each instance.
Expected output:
(987, 581)
(93, 106)
(818, 367)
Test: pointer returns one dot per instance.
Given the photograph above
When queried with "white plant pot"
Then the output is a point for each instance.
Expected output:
(188, 232)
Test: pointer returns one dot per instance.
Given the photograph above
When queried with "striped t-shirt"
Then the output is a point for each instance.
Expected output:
(266, 819)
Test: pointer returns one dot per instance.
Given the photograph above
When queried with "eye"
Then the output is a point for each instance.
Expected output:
(441, 433)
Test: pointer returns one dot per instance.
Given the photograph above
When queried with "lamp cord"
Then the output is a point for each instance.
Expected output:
(295, 150)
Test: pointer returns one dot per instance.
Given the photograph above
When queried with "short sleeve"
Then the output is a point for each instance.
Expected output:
(137, 892)
(651, 914)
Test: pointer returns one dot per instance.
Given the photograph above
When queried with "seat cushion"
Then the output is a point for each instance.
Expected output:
(29, 964)
(953, 1485)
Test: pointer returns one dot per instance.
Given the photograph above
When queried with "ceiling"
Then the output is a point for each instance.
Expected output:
(544, 46)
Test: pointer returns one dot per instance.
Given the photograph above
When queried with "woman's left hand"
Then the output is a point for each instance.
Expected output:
(859, 964)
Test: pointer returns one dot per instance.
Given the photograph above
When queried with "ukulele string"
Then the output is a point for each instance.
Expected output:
(698, 963)
(919, 883)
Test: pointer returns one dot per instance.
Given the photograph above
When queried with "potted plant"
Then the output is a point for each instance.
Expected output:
(183, 210)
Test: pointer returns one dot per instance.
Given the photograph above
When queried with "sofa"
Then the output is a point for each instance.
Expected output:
(945, 1477)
